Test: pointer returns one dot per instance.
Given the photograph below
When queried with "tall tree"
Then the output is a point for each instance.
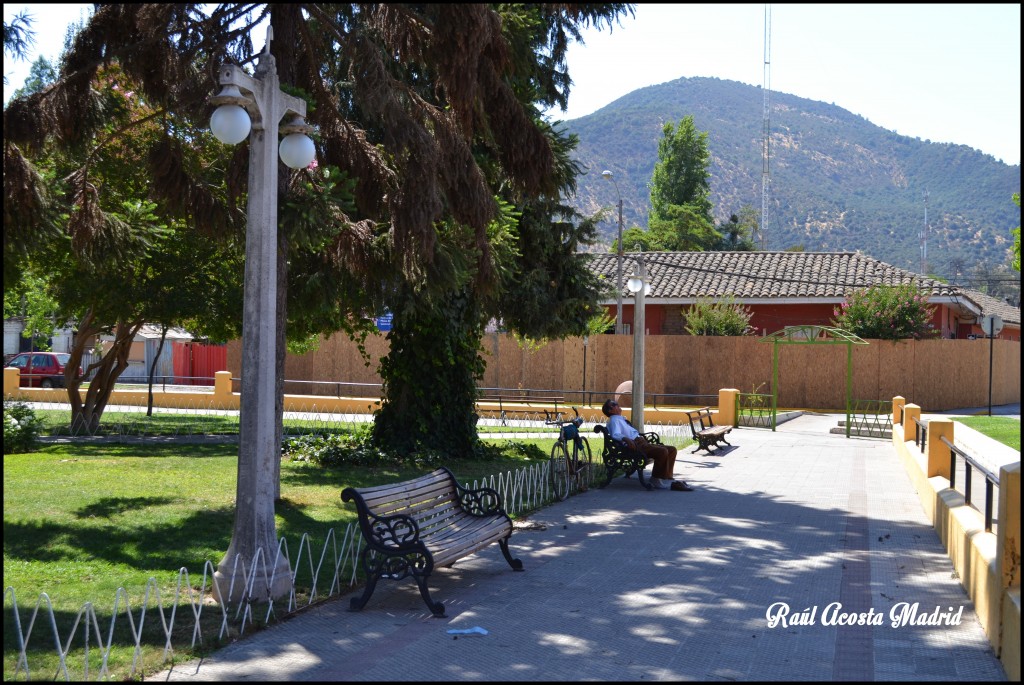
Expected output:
(419, 104)
(1015, 259)
(680, 191)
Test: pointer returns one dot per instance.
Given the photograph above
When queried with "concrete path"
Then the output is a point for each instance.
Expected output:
(625, 584)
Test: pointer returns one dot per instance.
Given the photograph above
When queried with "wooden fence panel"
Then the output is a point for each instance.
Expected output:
(936, 374)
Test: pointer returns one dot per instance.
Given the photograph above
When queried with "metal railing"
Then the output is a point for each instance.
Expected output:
(970, 463)
(755, 410)
(921, 434)
(872, 418)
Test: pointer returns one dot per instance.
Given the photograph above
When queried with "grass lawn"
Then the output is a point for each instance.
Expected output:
(1002, 428)
(82, 520)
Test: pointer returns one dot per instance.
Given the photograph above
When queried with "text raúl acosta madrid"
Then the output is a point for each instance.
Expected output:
(901, 614)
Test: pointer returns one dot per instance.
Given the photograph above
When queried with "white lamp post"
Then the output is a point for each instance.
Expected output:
(618, 271)
(252, 566)
(640, 288)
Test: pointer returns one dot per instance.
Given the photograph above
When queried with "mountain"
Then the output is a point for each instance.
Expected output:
(837, 181)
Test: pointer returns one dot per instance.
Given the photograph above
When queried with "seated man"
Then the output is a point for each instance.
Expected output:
(664, 456)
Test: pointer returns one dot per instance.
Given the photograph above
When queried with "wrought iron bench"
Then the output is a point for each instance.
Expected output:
(704, 430)
(618, 456)
(412, 526)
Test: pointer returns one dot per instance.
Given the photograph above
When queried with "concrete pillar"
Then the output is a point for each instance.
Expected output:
(727, 407)
(12, 381)
(938, 451)
(897, 408)
(222, 389)
(910, 412)
(12, 335)
(1008, 535)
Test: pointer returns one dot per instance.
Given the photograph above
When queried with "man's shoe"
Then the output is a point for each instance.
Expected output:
(681, 486)
(660, 484)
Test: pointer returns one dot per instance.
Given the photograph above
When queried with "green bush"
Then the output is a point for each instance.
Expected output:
(354, 448)
(21, 427)
(886, 312)
(717, 317)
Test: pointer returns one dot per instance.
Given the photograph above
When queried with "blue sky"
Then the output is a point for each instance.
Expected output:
(941, 72)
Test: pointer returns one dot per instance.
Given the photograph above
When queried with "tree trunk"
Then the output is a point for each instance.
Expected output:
(430, 378)
(152, 369)
(86, 414)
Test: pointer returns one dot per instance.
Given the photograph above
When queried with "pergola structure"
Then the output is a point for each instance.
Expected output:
(812, 335)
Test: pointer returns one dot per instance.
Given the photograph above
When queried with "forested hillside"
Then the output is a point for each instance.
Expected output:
(838, 182)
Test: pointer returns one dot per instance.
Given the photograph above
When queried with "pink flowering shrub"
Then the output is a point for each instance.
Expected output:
(886, 312)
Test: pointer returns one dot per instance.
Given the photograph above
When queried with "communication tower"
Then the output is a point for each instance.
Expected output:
(762, 238)
(924, 238)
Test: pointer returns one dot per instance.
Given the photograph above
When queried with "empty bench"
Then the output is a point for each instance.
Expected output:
(504, 413)
(704, 430)
(618, 456)
(415, 525)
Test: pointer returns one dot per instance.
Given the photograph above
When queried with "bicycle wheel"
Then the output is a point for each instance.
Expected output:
(582, 460)
(558, 471)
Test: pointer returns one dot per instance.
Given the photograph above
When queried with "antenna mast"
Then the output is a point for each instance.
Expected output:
(766, 133)
(924, 238)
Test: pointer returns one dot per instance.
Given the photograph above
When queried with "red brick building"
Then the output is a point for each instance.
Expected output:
(787, 289)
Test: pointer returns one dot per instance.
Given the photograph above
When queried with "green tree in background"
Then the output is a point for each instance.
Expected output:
(680, 217)
(737, 233)
(886, 312)
(1016, 238)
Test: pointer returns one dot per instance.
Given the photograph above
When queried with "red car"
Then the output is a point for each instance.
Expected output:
(42, 369)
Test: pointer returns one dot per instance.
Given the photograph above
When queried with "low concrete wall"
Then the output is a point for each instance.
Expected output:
(988, 564)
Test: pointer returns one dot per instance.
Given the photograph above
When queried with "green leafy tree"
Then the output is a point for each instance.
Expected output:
(115, 258)
(886, 312)
(526, 273)
(1015, 263)
(717, 317)
(680, 192)
(737, 233)
(40, 75)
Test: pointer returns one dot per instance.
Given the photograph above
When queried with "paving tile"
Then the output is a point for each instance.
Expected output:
(626, 584)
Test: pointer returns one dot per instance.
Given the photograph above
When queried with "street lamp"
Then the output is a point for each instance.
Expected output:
(640, 287)
(252, 566)
(618, 272)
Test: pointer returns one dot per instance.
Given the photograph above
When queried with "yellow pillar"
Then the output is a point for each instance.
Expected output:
(938, 451)
(897, 408)
(910, 412)
(222, 388)
(12, 381)
(727, 407)
(1009, 542)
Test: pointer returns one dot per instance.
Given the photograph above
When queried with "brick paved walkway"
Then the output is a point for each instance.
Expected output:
(624, 584)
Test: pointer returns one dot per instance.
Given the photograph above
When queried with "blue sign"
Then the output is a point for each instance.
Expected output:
(384, 322)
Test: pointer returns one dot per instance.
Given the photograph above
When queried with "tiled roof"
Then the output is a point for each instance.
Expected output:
(990, 305)
(750, 276)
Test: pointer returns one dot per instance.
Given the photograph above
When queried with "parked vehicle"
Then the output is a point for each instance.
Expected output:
(42, 369)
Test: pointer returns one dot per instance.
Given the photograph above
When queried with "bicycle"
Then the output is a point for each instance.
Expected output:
(571, 458)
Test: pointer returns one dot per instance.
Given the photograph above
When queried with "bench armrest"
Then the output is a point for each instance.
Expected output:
(480, 502)
(652, 438)
(396, 532)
